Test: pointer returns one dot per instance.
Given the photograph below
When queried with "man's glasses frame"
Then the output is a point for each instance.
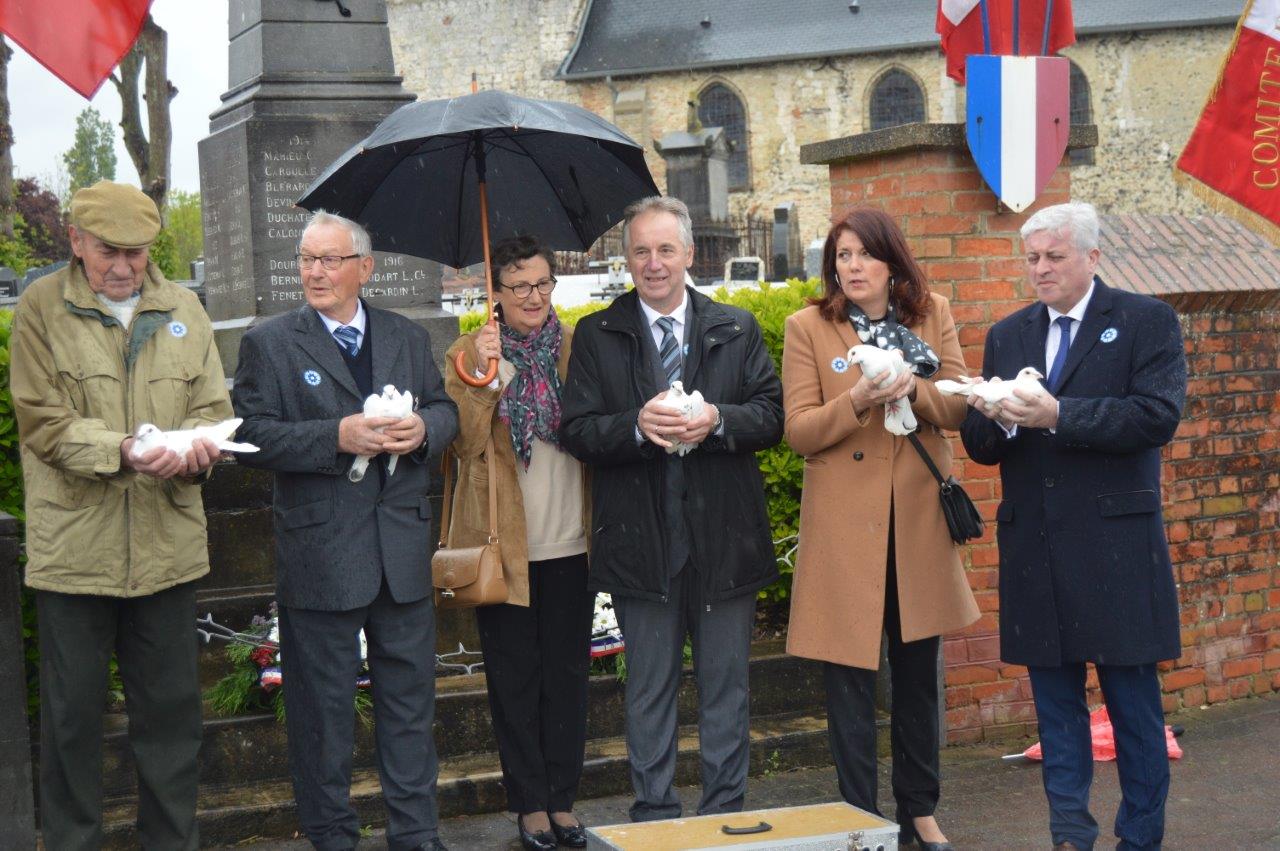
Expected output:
(331, 262)
(523, 291)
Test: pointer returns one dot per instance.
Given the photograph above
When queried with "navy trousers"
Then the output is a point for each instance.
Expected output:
(1132, 695)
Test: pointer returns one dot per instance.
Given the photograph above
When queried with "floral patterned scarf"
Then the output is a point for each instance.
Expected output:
(531, 403)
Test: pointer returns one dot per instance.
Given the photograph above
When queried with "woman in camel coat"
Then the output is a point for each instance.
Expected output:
(875, 554)
(536, 646)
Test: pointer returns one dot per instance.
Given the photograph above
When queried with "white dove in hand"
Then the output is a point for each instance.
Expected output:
(994, 391)
(390, 403)
(689, 404)
(899, 419)
(149, 437)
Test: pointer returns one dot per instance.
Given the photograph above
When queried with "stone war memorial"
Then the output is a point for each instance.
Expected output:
(306, 83)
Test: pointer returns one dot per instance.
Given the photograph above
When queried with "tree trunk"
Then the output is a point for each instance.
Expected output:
(150, 156)
(6, 145)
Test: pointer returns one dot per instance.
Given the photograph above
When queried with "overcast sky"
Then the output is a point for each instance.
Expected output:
(44, 109)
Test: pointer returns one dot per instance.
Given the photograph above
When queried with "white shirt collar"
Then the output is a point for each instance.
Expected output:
(1077, 312)
(357, 322)
(652, 316)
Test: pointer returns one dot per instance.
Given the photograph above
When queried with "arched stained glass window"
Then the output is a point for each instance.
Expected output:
(896, 99)
(718, 106)
(1081, 113)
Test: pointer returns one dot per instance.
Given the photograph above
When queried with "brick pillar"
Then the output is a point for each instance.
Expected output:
(968, 244)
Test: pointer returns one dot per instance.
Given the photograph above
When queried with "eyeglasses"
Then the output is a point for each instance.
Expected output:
(523, 291)
(331, 262)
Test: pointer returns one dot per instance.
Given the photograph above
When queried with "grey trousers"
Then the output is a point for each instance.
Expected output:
(320, 655)
(154, 640)
(654, 633)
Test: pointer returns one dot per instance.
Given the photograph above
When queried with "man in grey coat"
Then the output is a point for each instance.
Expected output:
(350, 555)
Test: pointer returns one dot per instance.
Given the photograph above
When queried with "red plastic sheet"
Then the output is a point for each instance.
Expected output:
(1104, 739)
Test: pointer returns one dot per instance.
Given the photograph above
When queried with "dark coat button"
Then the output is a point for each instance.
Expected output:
(857, 456)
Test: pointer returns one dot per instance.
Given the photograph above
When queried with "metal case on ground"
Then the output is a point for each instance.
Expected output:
(818, 827)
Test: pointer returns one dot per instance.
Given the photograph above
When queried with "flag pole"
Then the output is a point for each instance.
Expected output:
(1048, 19)
(986, 28)
(1016, 5)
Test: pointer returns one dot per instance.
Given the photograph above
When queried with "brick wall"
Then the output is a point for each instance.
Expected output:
(1221, 474)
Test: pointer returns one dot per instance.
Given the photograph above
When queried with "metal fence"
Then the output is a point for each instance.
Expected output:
(715, 243)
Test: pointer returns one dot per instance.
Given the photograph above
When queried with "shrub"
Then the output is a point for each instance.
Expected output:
(782, 469)
(11, 502)
(165, 255)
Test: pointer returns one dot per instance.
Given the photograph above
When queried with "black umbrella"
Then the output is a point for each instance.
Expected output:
(438, 179)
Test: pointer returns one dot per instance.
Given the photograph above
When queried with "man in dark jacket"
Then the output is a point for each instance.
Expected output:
(682, 542)
(1084, 566)
(351, 553)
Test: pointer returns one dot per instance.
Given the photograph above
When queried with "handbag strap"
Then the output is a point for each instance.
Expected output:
(915, 441)
(446, 521)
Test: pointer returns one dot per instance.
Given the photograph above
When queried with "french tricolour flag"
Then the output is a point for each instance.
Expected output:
(1017, 123)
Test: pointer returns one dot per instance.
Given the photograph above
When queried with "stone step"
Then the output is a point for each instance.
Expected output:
(254, 745)
(471, 784)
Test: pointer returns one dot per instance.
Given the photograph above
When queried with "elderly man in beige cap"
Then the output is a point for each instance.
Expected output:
(115, 542)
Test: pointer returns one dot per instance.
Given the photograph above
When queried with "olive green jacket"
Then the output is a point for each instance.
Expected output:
(81, 384)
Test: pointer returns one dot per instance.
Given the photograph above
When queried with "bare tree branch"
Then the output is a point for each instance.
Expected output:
(150, 156)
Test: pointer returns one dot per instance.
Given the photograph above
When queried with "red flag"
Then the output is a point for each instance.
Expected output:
(80, 41)
(1235, 148)
(959, 23)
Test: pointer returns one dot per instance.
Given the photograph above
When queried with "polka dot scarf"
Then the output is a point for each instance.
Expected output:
(888, 334)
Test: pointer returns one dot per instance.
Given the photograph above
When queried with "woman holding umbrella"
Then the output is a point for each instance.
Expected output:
(537, 645)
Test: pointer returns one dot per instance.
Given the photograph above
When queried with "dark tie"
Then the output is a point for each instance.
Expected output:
(669, 351)
(348, 338)
(1060, 359)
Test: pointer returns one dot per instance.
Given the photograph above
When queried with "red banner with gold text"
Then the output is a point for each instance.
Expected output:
(1235, 148)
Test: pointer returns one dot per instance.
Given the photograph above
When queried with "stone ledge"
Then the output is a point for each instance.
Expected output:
(912, 137)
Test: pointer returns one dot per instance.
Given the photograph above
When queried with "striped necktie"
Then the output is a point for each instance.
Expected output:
(669, 351)
(348, 338)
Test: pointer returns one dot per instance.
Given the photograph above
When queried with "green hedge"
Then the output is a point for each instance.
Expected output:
(11, 502)
(783, 470)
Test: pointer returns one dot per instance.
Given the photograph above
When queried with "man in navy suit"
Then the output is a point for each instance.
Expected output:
(350, 555)
(1085, 574)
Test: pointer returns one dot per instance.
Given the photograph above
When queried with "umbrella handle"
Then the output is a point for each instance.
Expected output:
(492, 371)
(468, 377)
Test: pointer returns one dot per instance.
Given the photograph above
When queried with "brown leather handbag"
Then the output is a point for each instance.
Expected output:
(465, 577)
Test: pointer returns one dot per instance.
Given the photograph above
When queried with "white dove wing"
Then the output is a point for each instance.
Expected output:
(899, 419)
(388, 403)
(690, 405)
(180, 441)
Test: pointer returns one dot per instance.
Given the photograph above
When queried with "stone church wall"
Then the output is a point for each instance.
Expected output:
(1147, 90)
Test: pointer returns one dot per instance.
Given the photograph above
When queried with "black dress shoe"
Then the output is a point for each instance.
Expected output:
(907, 836)
(573, 836)
(433, 845)
(543, 840)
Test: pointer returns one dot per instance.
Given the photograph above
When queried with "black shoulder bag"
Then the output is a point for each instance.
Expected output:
(963, 520)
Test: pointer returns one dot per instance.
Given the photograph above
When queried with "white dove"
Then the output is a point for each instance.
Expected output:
(390, 403)
(898, 417)
(689, 404)
(995, 390)
(149, 437)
